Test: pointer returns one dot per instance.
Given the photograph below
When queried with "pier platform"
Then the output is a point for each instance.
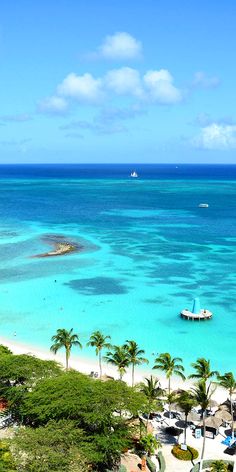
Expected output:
(202, 315)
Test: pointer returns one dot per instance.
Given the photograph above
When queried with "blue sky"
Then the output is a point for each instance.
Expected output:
(118, 81)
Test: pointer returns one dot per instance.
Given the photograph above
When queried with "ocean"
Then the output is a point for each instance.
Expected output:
(147, 250)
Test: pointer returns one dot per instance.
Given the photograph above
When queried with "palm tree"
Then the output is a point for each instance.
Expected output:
(228, 382)
(99, 341)
(135, 355)
(218, 466)
(153, 392)
(202, 394)
(169, 365)
(66, 339)
(202, 370)
(186, 401)
(119, 357)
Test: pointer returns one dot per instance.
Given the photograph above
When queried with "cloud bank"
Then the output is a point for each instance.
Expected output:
(155, 86)
(216, 137)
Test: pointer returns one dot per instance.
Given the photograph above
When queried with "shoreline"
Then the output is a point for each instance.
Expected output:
(85, 366)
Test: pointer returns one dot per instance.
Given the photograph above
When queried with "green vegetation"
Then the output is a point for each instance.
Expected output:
(119, 357)
(218, 466)
(19, 374)
(208, 464)
(6, 459)
(171, 366)
(188, 455)
(153, 393)
(202, 370)
(70, 422)
(135, 356)
(149, 444)
(228, 382)
(58, 446)
(4, 350)
(91, 404)
(186, 401)
(202, 394)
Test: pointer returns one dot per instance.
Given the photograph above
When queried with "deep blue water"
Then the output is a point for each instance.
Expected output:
(119, 171)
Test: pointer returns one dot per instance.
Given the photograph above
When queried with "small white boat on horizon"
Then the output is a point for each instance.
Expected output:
(203, 205)
(134, 174)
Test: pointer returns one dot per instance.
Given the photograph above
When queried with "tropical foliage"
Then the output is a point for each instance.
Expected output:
(68, 421)
(203, 370)
(96, 408)
(135, 356)
(19, 374)
(153, 392)
(186, 401)
(56, 447)
(170, 365)
(65, 339)
(228, 382)
(150, 444)
(218, 466)
(202, 394)
(120, 358)
(99, 341)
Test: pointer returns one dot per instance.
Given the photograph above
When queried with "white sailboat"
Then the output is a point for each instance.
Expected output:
(134, 174)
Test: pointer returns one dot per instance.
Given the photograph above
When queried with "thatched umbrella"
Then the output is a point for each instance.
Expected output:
(212, 422)
(213, 403)
(105, 378)
(193, 417)
(224, 415)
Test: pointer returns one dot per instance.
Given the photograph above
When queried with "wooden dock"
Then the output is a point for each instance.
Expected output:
(201, 316)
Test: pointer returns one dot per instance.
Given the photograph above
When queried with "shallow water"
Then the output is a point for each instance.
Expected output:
(148, 251)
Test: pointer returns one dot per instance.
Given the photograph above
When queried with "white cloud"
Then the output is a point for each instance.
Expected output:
(201, 79)
(53, 105)
(120, 46)
(156, 87)
(84, 88)
(124, 81)
(216, 136)
(159, 84)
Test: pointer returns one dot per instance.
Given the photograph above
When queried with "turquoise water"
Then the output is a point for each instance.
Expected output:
(148, 250)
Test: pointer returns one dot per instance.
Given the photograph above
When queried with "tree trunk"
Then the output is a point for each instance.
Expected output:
(100, 362)
(232, 415)
(169, 403)
(169, 385)
(169, 413)
(185, 428)
(67, 358)
(132, 375)
(204, 440)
